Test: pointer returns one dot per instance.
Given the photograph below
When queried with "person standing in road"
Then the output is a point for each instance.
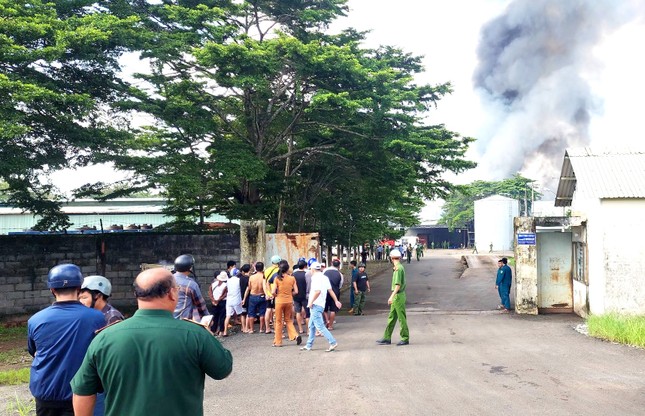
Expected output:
(285, 288)
(233, 301)
(419, 250)
(257, 299)
(360, 285)
(57, 338)
(300, 299)
(95, 292)
(191, 303)
(231, 268)
(269, 273)
(150, 364)
(364, 254)
(218, 293)
(354, 271)
(243, 274)
(320, 287)
(336, 281)
(503, 284)
(397, 304)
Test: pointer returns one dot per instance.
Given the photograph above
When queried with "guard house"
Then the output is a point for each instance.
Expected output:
(606, 190)
(591, 259)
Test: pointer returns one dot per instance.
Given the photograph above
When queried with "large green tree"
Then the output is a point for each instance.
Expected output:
(261, 114)
(254, 112)
(58, 65)
(459, 208)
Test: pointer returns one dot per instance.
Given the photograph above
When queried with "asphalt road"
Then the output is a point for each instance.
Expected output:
(464, 359)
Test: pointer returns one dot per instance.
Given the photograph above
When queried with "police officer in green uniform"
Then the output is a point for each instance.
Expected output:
(397, 303)
(150, 364)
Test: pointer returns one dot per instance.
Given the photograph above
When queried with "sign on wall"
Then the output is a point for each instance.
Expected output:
(527, 239)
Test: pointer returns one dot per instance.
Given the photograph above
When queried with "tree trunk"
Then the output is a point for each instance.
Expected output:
(287, 170)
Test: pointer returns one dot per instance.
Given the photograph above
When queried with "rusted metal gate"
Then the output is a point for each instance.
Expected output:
(292, 246)
(554, 269)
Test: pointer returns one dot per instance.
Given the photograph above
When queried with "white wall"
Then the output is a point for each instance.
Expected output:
(624, 255)
(616, 254)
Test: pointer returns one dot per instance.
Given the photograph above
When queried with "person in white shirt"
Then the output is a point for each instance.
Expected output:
(218, 294)
(320, 287)
(233, 301)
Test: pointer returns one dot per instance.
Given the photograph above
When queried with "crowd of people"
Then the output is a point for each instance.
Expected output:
(89, 360)
(280, 297)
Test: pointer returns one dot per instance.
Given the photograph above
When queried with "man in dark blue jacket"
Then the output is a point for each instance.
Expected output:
(58, 337)
(503, 284)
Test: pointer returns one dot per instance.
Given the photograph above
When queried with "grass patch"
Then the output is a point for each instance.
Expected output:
(625, 329)
(13, 333)
(14, 377)
(14, 358)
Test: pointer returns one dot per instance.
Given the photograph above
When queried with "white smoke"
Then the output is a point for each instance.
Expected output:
(536, 76)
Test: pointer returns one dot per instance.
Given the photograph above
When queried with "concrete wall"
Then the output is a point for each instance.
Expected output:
(26, 259)
(615, 255)
(623, 262)
(526, 277)
(252, 241)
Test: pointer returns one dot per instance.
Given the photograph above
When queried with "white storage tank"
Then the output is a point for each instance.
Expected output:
(494, 222)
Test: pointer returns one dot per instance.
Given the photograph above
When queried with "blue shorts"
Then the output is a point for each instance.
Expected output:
(257, 306)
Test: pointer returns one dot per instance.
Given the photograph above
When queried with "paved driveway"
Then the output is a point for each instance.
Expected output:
(464, 359)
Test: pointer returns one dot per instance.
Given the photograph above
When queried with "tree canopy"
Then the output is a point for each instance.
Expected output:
(257, 112)
(58, 74)
(459, 206)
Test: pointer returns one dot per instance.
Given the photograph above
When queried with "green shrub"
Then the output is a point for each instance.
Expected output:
(626, 329)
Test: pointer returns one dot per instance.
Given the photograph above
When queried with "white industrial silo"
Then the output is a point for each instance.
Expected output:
(494, 222)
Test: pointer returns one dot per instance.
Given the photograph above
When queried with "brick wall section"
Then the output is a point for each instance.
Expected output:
(26, 259)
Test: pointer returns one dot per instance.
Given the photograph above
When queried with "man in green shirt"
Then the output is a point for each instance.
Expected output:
(150, 364)
(397, 304)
